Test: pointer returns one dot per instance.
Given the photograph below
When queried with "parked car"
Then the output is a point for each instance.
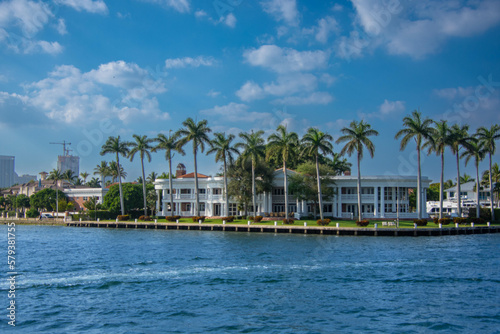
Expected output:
(46, 215)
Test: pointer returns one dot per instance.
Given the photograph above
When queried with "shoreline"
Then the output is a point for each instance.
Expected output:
(292, 229)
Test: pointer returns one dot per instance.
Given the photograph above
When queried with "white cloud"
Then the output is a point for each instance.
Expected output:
(3, 78)
(423, 27)
(284, 60)
(452, 93)
(325, 27)
(236, 112)
(189, 62)
(282, 10)
(213, 93)
(200, 14)
(322, 98)
(61, 27)
(182, 6)
(115, 90)
(29, 16)
(386, 109)
(250, 91)
(230, 20)
(96, 7)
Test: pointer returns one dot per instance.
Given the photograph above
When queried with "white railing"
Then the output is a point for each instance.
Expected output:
(216, 197)
(185, 196)
(186, 213)
(348, 215)
(364, 197)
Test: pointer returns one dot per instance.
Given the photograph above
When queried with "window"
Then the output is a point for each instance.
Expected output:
(185, 191)
(233, 209)
(202, 206)
(202, 191)
(368, 191)
(367, 208)
(185, 206)
(327, 208)
(388, 193)
(217, 191)
(278, 191)
(388, 207)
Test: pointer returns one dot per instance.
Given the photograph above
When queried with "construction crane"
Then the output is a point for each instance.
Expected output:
(64, 143)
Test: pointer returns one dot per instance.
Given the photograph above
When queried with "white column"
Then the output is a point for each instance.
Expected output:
(382, 202)
(157, 201)
(375, 201)
(424, 202)
(340, 202)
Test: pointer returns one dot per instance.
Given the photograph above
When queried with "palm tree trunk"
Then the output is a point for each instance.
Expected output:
(419, 185)
(170, 186)
(319, 190)
(197, 208)
(459, 198)
(122, 205)
(144, 187)
(360, 214)
(253, 188)
(478, 207)
(226, 196)
(441, 185)
(286, 189)
(491, 195)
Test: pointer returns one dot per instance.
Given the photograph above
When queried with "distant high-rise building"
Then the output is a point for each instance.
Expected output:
(65, 162)
(7, 174)
(25, 178)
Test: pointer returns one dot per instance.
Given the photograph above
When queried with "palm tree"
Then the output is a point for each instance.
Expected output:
(283, 144)
(488, 138)
(102, 170)
(459, 138)
(356, 136)
(224, 150)
(152, 176)
(440, 139)
(94, 183)
(314, 142)
(340, 165)
(253, 149)
(84, 176)
(197, 133)
(419, 130)
(476, 150)
(113, 172)
(114, 145)
(142, 145)
(56, 175)
(466, 177)
(69, 176)
(170, 145)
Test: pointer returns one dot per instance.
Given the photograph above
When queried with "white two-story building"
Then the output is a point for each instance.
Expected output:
(382, 197)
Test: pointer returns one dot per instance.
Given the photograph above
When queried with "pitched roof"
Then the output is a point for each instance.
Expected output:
(191, 176)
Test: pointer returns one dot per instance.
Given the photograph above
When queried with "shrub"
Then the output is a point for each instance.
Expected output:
(250, 218)
(172, 218)
(101, 214)
(477, 220)
(444, 221)
(197, 219)
(420, 222)
(459, 220)
(435, 220)
(257, 219)
(288, 221)
(363, 222)
(145, 218)
(228, 219)
(323, 222)
(123, 218)
(32, 213)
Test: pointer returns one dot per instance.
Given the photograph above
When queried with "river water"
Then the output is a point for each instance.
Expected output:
(88, 280)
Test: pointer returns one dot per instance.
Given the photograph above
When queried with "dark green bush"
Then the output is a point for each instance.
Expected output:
(145, 218)
(289, 221)
(477, 220)
(197, 219)
(257, 219)
(228, 219)
(123, 218)
(323, 222)
(363, 222)
(445, 221)
(459, 220)
(172, 218)
(32, 213)
(420, 222)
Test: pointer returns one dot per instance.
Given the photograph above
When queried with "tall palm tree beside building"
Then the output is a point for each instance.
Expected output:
(420, 130)
(440, 139)
(153, 175)
(170, 145)
(197, 133)
(283, 144)
(253, 148)
(475, 150)
(488, 137)
(142, 145)
(102, 170)
(339, 165)
(56, 175)
(115, 146)
(313, 143)
(356, 138)
(460, 138)
(84, 176)
(224, 150)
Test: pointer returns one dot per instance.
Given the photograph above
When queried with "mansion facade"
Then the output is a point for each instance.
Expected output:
(382, 197)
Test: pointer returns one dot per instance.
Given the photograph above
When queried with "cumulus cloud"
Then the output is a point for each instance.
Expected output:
(97, 6)
(284, 60)
(386, 109)
(116, 90)
(236, 112)
(282, 10)
(189, 62)
(61, 27)
(250, 91)
(182, 6)
(321, 98)
(326, 26)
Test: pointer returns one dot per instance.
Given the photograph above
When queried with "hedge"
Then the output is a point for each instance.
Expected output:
(363, 222)
(323, 222)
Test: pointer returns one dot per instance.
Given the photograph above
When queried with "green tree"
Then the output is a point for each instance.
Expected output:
(466, 177)
(224, 150)
(84, 176)
(252, 150)
(152, 176)
(94, 183)
(113, 171)
(459, 138)
(314, 142)
(115, 146)
(132, 197)
(433, 192)
(420, 130)
(151, 199)
(91, 203)
(475, 150)
(356, 138)
(285, 145)
(488, 138)
(197, 133)
(56, 175)
(339, 165)
(102, 170)
(440, 139)
(171, 145)
(22, 201)
(142, 145)
(69, 176)
(46, 199)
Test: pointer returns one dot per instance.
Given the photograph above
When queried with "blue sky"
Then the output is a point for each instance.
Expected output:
(82, 70)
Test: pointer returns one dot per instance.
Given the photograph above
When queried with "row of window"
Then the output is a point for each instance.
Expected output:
(215, 191)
